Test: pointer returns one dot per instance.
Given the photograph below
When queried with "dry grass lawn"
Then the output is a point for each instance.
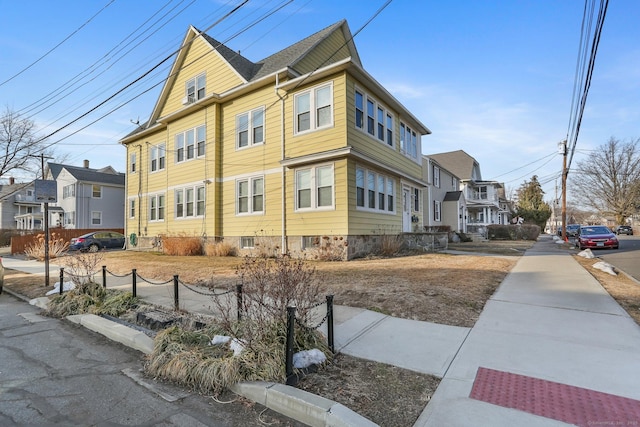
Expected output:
(447, 289)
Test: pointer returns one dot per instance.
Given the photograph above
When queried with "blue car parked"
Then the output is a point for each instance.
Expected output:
(97, 240)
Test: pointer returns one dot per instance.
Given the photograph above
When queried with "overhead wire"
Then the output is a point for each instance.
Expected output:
(57, 45)
(104, 59)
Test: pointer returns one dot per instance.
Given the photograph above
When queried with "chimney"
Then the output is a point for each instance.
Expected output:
(12, 180)
(86, 164)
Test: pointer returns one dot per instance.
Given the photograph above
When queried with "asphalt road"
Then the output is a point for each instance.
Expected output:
(53, 372)
(626, 257)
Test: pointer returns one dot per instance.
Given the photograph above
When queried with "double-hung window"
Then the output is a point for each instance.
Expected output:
(437, 208)
(314, 187)
(132, 208)
(190, 144)
(190, 202)
(373, 118)
(132, 162)
(408, 141)
(68, 191)
(436, 176)
(314, 108)
(96, 191)
(374, 191)
(250, 195)
(195, 88)
(96, 218)
(157, 155)
(156, 207)
(250, 128)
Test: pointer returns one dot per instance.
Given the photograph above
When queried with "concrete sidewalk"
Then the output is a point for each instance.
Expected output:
(550, 324)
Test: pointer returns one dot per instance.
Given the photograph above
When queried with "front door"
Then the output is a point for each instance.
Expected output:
(406, 210)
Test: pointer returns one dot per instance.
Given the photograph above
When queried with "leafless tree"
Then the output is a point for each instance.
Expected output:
(608, 181)
(19, 146)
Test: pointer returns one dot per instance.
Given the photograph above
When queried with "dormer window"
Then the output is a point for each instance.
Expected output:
(195, 89)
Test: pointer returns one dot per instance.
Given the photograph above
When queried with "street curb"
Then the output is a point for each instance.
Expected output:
(311, 409)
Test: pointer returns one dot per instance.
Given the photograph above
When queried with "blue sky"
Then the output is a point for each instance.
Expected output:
(493, 78)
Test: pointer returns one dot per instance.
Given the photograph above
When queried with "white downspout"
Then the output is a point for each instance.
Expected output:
(283, 181)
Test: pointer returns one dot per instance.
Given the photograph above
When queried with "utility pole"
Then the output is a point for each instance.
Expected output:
(564, 189)
(45, 218)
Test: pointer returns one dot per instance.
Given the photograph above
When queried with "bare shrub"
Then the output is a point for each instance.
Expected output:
(389, 245)
(270, 285)
(81, 267)
(219, 249)
(57, 246)
(330, 248)
(264, 246)
(182, 245)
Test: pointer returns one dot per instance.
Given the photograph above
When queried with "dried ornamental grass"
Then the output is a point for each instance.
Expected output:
(189, 358)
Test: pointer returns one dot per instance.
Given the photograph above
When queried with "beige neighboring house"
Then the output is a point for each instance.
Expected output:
(444, 202)
(486, 203)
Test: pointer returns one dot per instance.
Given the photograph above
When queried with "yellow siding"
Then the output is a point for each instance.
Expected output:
(201, 58)
(322, 140)
(321, 222)
(330, 50)
(375, 148)
(366, 222)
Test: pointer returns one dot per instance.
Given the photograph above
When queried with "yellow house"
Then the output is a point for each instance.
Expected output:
(301, 149)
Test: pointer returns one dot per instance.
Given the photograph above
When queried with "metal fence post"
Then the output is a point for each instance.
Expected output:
(239, 300)
(330, 324)
(61, 279)
(291, 314)
(176, 298)
(134, 276)
(104, 276)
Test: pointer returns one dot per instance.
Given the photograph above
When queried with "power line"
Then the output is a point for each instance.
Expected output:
(56, 46)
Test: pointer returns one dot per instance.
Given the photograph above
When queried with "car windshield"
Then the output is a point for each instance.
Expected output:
(594, 230)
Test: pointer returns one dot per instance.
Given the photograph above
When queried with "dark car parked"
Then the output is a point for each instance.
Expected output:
(624, 229)
(595, 237)
(97, 240)
(572, 230)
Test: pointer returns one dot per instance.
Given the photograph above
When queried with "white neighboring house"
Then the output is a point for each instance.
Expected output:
(486, 203)
(18, 207)
(445, 204)
(88, 198)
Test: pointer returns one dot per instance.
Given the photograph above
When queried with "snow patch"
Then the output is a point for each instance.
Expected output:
(56, 288)
(586, 254)
(235, 344)
(606, 267)
(306, 358)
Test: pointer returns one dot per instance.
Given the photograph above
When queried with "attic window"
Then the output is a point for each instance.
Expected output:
(195, 89)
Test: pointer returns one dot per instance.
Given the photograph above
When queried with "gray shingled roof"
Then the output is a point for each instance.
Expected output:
(89, 175)
(452, 196)
(285, 58)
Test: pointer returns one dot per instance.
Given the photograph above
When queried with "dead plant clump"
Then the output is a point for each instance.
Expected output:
(91, 298)
(220, 249)
(182, 245)
(57, 247)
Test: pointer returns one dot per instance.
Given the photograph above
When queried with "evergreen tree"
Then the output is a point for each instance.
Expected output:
(531, 206)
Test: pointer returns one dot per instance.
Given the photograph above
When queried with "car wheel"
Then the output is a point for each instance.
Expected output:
(93, 248)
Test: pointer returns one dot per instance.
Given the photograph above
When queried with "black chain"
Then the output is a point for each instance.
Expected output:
(118, 275)
(209, 294)
(310, 328)
(154, 283)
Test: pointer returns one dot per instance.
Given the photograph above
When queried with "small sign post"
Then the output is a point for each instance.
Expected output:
(46, 191)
